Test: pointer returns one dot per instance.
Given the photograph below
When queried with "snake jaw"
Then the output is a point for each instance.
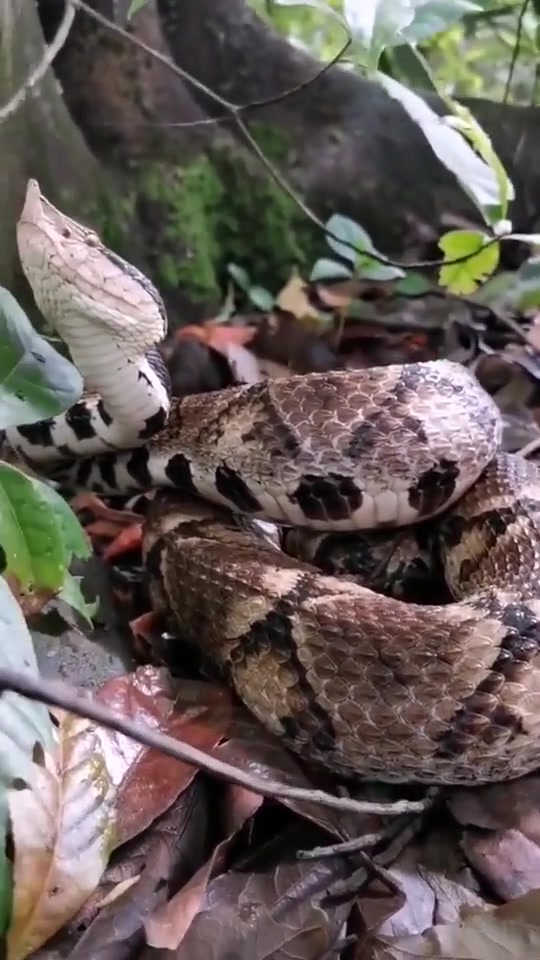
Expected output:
(73, 273)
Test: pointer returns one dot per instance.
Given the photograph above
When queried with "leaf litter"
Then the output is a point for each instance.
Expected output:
(170, 862)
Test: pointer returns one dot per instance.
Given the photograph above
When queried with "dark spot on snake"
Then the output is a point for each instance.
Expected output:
(434, 487)
(153, 424)
(327, 498)
(79, 418)
(491, 524)
(137, 467)
(377, 427)
(39, 434)
(231, 486)
(104, 413)
(273, 635)
(84, 469)
(482, 715)
(107, 472)
(178, 471)
(38, 356)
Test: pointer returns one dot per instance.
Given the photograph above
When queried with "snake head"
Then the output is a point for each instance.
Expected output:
(74, 275)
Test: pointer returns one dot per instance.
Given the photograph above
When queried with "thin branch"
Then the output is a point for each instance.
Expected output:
(233, 111)
(39, 72)
(60, 695)
(515, 50)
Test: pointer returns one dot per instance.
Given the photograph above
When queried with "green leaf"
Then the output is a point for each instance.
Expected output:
(261, 298)
(377, 24)
(325, 269)
(72, 594)
(346, 237)
(475, 176)
(74, 540)
(464, 121)
(39, 534)
(434, 16)
(482, 258)
(134, 7)
(369, 269)
(413, 285)
(239, 275)
(29, 534)
(36, 382)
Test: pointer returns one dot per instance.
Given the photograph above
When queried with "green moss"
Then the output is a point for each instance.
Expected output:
(220, 208)
(188, 253)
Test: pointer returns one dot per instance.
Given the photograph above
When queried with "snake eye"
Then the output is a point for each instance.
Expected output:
(66, 232)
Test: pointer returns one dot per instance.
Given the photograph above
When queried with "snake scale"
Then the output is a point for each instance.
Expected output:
(365, 685)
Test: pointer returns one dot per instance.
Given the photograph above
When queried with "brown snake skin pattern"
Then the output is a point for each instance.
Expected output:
(365, 685)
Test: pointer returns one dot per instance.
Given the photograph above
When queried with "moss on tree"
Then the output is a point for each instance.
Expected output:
(220, 209)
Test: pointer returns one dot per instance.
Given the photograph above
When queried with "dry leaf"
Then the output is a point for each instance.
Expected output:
(62, 833)
(510, 932)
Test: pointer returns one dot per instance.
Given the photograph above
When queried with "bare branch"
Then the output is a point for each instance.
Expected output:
(61, 695)
(39, 72)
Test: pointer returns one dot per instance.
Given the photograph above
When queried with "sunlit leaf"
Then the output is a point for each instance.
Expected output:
(325, 269)
(377, 24)
(261, 298)
(35, 380)
(434, 16)
(475, 176)
(482, 257)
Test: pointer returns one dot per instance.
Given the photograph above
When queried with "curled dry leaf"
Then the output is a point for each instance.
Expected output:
(278, 913)
(148, 781)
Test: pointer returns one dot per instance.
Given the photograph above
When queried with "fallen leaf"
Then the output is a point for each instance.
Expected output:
(503, 933)
(146, 779)
(63, 832)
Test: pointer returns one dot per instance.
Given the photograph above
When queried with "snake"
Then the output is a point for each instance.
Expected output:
(360, 684)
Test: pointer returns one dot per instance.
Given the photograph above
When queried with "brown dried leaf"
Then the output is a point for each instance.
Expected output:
(509, 861)
(504, 933)
(294, 299)
(147, 780)
(243, 363)
(217, 336)
(498, 806)
(62, 833)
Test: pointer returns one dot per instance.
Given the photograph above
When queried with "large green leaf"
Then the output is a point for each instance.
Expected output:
(35, 380)
(39, 533)
(475, 176)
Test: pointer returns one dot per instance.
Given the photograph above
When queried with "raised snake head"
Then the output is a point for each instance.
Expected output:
(73, 275)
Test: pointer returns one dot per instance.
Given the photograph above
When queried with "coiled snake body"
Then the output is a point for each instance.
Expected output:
(364, 684)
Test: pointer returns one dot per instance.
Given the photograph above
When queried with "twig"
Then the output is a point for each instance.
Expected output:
(39, 72)
(515, 50)
(234, 110)
(60, 695)
(358, 844)
(530, 447)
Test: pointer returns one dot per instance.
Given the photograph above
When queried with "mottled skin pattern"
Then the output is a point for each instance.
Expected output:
(364, 684)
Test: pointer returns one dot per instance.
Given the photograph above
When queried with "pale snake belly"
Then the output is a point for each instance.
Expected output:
(365, 685)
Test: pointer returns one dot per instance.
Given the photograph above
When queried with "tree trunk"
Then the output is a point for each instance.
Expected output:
(349, 147)
(38, 140)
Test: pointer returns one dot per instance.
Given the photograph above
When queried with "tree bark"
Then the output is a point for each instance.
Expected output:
(38, 140)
